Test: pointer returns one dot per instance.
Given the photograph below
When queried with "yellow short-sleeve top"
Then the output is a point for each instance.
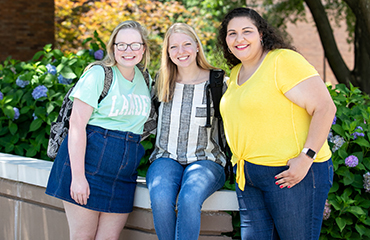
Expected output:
(262, 126)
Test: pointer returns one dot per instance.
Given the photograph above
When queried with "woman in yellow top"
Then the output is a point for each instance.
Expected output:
(277, 114)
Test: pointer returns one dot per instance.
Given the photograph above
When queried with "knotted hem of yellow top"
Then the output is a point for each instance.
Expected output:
(240, 177)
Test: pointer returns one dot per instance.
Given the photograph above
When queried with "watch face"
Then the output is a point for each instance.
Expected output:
(310, 153)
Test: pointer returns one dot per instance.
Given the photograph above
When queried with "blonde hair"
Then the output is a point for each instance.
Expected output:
(109, 59)
(165, 84)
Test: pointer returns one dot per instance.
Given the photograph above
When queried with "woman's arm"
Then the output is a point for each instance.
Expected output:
(312, 95)
(81, 113)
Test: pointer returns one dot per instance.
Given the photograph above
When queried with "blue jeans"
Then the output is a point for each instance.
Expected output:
(268, 212)
(191, 184)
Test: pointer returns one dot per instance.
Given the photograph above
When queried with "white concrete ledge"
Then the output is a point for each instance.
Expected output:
(36, 172)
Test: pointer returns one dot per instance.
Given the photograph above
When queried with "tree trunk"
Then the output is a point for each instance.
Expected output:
(361, 9)
(335, 60)
(361, 71)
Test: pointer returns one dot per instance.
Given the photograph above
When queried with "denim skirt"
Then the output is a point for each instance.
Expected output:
(111, 162)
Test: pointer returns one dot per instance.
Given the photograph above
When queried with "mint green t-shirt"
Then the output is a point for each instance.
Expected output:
(126, 106)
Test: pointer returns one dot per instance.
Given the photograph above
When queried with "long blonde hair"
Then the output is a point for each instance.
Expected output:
(109, 59)
(165, 84)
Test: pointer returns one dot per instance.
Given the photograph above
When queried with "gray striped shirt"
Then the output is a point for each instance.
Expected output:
(181, 131)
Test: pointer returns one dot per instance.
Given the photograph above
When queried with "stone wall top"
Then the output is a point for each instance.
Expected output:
(36, 172)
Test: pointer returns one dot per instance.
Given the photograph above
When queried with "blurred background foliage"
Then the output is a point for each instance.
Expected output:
(76, 21)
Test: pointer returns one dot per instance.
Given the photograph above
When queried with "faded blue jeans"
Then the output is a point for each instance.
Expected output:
(192, 184)
(268, 212)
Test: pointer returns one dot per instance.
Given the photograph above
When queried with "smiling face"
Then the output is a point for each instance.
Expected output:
(182, 49)
(243, 39)
(128, 58)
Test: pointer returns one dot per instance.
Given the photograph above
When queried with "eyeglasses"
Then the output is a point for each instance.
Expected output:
(135, 46)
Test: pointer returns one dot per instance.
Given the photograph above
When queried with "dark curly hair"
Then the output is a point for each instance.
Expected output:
(270, 37)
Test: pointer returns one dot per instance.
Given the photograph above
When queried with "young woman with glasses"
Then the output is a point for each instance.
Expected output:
(94, 172)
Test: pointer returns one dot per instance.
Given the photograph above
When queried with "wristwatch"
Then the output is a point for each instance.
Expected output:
(309, 152)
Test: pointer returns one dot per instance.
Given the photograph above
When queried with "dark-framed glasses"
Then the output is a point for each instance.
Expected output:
(135, 46)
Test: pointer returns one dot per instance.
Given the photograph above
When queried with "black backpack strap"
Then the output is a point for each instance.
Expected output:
(215, 88)
(150, 125)
(108, 78)
(107, 82)
(216, 81)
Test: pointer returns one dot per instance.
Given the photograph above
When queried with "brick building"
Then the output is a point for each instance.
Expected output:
(25, 27)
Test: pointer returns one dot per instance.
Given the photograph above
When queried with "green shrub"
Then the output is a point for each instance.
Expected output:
(346, 214)
(31, 98)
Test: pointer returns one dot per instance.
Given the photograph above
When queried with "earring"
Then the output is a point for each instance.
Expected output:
(197, 50)
(228, 49)
(261, 42)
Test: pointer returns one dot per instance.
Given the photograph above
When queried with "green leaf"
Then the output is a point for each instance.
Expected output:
(348, 178)
(356, 210)
(86, 40)
(15, 138)
(72, 61)
(40, 111)
(9, 111)
(68, 73)
(338, 129)
(9, 147)
(36, 124)
(57, 53)
(362, 142)
(342, 171)
(366, 221)
(147, 144)
(31, 152)
(24, 109)
(4, 141)
(361, 229)
(18, 150)
(366, 162)
(49, 108)
(347, 192)
(358, 182)
(47, 47)
(334, 188)
(37, 55)
(13, 128)
(342, 153)
(341, 223)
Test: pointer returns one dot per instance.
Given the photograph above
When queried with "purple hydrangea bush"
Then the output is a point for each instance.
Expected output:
(21, 83)
(31, 95)
(39, 92)
(346, 214)
(99, 54)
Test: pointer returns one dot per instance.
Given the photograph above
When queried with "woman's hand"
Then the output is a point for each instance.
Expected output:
(298, 168)
(80, 190)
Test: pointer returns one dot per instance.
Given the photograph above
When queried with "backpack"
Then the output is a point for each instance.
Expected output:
(215, 88)
(59, 128)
